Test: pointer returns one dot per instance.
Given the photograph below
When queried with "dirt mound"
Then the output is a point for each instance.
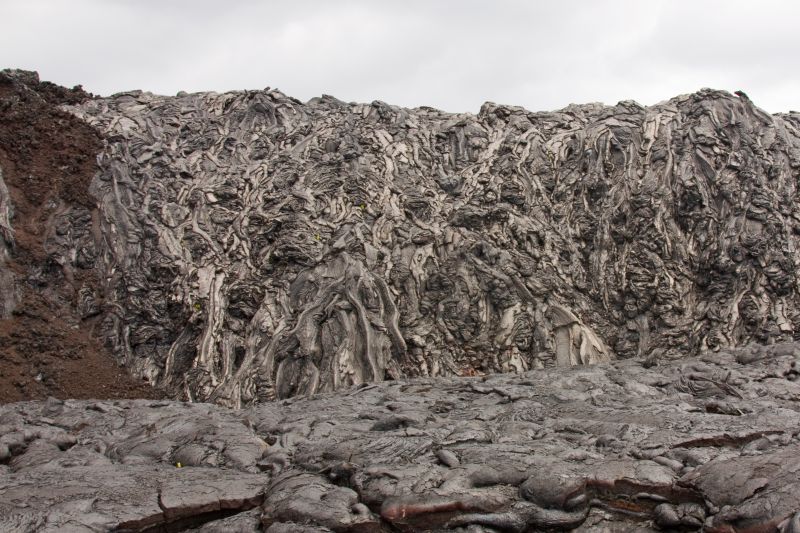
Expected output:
(47, 159)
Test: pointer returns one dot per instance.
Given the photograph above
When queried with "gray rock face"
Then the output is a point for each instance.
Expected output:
(709, 442)
(254, 247)
(8, 296)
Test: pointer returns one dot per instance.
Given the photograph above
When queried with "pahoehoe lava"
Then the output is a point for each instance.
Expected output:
(255, 247)
(389, 319)
(709, 443)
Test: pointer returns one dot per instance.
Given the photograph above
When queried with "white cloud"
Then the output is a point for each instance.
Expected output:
(449, 54)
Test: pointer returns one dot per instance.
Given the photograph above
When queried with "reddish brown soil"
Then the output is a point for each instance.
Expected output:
(48, 158)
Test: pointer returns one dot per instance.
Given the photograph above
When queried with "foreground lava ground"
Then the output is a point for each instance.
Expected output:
(48, 158)
(709, 443)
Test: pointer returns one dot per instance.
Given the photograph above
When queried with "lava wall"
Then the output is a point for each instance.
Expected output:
(255, 247)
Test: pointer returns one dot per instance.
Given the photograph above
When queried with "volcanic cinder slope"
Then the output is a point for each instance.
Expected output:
(254, 247)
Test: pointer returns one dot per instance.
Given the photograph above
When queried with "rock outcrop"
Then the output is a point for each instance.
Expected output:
(255, 247)
(707, 443)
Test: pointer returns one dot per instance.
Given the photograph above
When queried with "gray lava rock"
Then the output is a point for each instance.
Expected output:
(508, 453)
(255, 247)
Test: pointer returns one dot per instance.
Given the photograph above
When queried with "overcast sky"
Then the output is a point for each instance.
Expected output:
(453, 55)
